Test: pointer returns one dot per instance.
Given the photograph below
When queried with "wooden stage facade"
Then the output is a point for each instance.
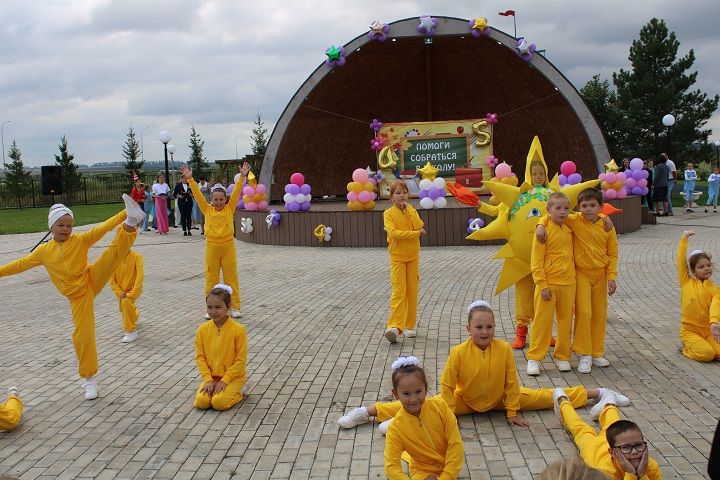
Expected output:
(445, 226)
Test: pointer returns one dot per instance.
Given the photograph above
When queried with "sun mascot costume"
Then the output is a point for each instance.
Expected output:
(517, 214)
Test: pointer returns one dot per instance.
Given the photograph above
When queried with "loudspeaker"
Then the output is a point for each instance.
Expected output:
(51, 179)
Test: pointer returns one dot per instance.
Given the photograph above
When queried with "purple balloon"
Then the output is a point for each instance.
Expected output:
(636, 190)
(574, 179)
(305, 206)
(292, 189)
(292, 207)
(645, 174)
(442, 192)
(287, 188)
(645, 191)
(433, 193)
(638, 174)
(423, 193)
(240, 205)
(305, 189)
(563, 179)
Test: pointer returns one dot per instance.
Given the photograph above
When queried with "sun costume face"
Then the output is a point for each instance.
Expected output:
(518, 213)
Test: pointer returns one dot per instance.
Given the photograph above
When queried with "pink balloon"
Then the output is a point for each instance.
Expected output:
(352, 196)
(260, 189)
(620, 176)
(610, 177)
(360, 175)
(372, 196)
(630, 182)
(297, 179)
(364, 196)
(251, 206)
(503, 170)
(610, 193)
(249, 191)
(642, 183)
(568, 168)
(262, 205)
(372, 180)
(601, 176)
(622, 193)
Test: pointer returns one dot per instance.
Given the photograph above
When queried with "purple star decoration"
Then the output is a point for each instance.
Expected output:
(427, 25)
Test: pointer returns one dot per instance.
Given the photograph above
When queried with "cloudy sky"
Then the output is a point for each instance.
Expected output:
(89, 69)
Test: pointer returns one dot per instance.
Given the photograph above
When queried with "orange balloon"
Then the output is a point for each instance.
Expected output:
(618, 185)
(604, 185)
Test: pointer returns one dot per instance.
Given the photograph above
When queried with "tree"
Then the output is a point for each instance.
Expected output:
(131, 153)
(197, 160)
(71, 179)
(657, 84)
(602, 102)
(259, 144)
(16, 177)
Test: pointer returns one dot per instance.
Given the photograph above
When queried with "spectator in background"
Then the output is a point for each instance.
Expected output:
(184, 197)
(137, 193)
(672, 178)
(648, 167)
(660, 187)
(625, 165)
(161, 192)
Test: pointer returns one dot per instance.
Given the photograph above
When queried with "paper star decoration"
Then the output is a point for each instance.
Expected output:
(333, 53)
(428, 171)
(378, 31)
(525, 49)
(376, 27)
(427, 25)
(611, 166)
(480, 24)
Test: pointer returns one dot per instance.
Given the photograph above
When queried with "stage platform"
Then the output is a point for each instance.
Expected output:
(445, 226)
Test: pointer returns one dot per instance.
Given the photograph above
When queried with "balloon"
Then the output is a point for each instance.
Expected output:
(645, 174)
(364, 196)
(425, 184)
(601, 176)
(299, 198)
(433, 193)
(636, 190)
(567, 168)
(292, 206)
(422, 194)
(288, 197)
(618, 184)
(368, 187)
(642, 183)
(426, 203)
(294, 189)
(370, 205)
(630, 182)
(260, 189)
(604, 185)
(668, 120)
(562, 179)
(503, 170)
(574, 179)
(249, 191)
(352, 197)
(645, 190)
(327, 238)
(636, 164)
(610, 177)
(610, 193)
(305, 206)
(262, 205)
(297, 179)
(328, 230)
(360, 175)
(251, 206)
(354, 205)
(622, 193)
(440, 202)
(439, 183)
(636, 174)
(305, 189)
(308, 198)
(620, 176)
(372, 180)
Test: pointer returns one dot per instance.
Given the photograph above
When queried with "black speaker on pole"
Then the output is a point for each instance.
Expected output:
(51, 179)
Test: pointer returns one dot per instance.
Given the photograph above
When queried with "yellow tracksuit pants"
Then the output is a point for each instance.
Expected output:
(10, 413)
(129, 313)
(222, 256)
(220, 401)
(83, 310)
(561, 303)
(587, 440)
(524, 308)
(405, 280)
(698, 343)
(530, 399)
(591, 303)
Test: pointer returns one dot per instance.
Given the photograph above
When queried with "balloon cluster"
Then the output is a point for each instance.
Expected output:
(432, 193)
(360, 191)
(427, 25)
(297, 194)
(613, 185)
(323, 233)
(568, 174)
(475, 224)
(335, 56)
(246, 225)
(503, 174)
(525, 50)
(379, 31)
(491, 118)
(479, 27)
(255, 198)
(636, 178)
(273, 219)
(376, 125)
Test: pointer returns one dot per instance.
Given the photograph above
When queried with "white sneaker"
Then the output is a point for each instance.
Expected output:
(607, 399)
(13, 392)
(563, 365)
(585, 365)
(600, 362)
(533, 367)
(622, 400)
(355, 417)
(383, 427)
(558, 393)
(133, 210)
(410, 333)
(91, 389)
(391, 334)
(235, 313)
(130, 337)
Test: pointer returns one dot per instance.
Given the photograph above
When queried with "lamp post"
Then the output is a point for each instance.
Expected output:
(171, 151)
(717, 153)
(142, 144)
(2, 133)
(165, 137)
(668, 120)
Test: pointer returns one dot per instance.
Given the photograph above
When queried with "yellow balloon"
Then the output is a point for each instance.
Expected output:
(368, 187)
(604, 185)
(350, 186)
(494, 200)
(319, 232)
(370, 205)
(618, 185)
(512, 181)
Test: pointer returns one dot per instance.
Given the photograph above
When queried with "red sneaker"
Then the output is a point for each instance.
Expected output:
(520, 337)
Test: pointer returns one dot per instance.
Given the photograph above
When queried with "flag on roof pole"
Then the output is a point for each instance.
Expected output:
(507, 13)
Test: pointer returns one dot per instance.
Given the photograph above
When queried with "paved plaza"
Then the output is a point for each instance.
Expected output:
(315, 319)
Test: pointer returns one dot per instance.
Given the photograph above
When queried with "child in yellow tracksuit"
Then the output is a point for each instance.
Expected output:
(127, 283)
(700, 299)
(553, 271)
(618, 450)
(220, 234)
(404, 228)
(480, 376)
(65, 258)
(595, 254)
(424, 432)
(220, 354)
(11, 410)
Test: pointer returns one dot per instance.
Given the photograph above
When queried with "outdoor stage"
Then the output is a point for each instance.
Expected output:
(445, 226)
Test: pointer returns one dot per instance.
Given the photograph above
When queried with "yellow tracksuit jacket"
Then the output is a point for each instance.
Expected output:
(403, 233)
(128, 278)
(700, 307)
(220, 241)
(432, 440)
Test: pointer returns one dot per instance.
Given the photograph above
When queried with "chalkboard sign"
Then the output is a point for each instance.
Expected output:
(444, 152)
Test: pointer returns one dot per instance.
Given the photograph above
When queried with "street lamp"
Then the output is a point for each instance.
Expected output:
(717, 153)
(142, 144)
(668, 120)
(2, 132)
(171, 151)
(165, 137)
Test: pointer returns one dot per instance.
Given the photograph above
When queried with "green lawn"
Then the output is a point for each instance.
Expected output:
(29, 220)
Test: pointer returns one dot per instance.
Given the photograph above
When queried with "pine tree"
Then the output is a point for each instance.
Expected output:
(197, 160)
(259, 144)
(657, 84)
(17, 178)
(131, 154)
(71, 179)
(602, 102)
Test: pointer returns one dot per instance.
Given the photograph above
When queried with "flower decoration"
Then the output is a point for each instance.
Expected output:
(273, 219)
(474, 224)
(525, 50)
(336, 56)
(491, 118)
(479, 27)
(491, 161)
(379, 31)
(377, 143)
(427, 25)
(376, 125)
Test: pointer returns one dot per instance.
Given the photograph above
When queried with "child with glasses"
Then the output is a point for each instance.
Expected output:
(619, 450)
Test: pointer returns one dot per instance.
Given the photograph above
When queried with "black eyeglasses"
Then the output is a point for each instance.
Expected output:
(638, 447)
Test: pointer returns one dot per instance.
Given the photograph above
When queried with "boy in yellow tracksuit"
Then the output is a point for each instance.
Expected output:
(404, 228)
(127, 283)
(700, 304)
(220, 354)
(618, 450)
(553, 271)
(65, 257)
(220, 234)
(596, 255)
(11, 410)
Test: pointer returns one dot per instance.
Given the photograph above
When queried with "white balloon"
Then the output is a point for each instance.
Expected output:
(300, 198)
(440, 202)
(439, 183)
(328, 230)
(425, 184)
(249, 229)
(308, 198)
(289, 198)
(668, 120)
(426, 202)
(327, 238)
